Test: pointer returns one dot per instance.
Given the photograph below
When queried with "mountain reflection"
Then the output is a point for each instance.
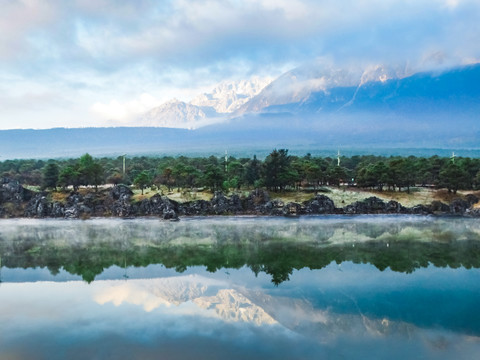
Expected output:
(270, 245)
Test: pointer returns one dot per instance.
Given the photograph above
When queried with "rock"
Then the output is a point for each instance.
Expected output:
(255, 201)
(439, 207)
(170, 214)
(321, 204)
(118, 201)
(38, 206)
(394, 207)
(473, 212)
(292, 209)
(120, 192)
(71, 213)
(58, 210)
(372, 205)
(471, 199)
(420, 210)
(12, 191)
(197, 207)
(458, 206)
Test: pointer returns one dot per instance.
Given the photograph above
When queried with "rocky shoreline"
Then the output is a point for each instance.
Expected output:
(17, 201)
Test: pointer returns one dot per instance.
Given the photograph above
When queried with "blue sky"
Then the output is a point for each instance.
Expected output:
(85, 62)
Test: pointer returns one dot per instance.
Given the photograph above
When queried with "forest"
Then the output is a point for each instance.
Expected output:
(279, 171)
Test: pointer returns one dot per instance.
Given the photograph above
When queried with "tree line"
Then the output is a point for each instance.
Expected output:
(279, 171)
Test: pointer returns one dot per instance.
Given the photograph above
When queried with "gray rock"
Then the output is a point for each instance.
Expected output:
(321, 204)
(458, 206)
(170, 214)
(372, 205)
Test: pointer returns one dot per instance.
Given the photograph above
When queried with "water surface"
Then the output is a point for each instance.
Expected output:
(307, 288)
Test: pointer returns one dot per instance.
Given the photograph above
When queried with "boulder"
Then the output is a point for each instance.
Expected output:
(394, 207)
(197, 207)
(420, 210)
(38, 206)
(471, 199)
(221, 204)
(170, 214)
(320, 204)
(372, 205)
(256, 200)
(292, 209)
(12, 191)
(458, 206)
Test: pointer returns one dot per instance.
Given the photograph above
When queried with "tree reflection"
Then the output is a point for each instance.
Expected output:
(276, 251)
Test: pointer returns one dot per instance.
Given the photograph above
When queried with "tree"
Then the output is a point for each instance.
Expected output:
(253, 171)
(69, 176)
(277, 170)
(90, 171)
(142, 180)
(166, 178)
(50, 176)
(453, 177)
(214, 177)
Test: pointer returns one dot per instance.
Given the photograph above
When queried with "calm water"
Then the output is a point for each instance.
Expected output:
(241, 288)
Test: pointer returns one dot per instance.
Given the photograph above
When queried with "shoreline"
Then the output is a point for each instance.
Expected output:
(118, 202)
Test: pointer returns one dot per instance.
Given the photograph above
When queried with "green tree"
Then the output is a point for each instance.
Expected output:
(142, 180)
(277, 170)
(90, 171)
(69, 176)
(50, 176)
(253, 171)
(214, 177)
(453, 177)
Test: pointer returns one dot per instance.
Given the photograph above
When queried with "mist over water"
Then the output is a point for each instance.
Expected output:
(243, 287)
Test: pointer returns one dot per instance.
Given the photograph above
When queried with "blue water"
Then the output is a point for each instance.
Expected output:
(141, 308)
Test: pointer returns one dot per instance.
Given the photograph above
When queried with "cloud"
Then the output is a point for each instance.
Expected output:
(125, 111)
(96, 51)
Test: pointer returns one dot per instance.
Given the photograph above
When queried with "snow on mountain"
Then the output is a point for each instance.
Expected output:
(229, 96)
(175, 114)
(233, 306)
(381, 73)
(327, 88)
(214, 296)
(205, 109)
(297, 85)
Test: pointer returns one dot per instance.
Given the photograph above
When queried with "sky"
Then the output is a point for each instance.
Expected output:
(84, 63)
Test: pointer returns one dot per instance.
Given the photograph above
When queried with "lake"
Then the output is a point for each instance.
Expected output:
(320, 287)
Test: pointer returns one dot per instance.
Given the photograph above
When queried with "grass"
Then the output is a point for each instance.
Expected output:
(341, 196)
(59, 196)
(345, 196)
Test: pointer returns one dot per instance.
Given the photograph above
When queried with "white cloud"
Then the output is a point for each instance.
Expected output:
(125, 111)
(104, 54)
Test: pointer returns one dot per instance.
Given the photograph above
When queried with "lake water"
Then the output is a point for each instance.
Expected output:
(332, 287)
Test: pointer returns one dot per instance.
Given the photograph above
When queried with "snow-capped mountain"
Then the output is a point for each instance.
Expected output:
(298, 85)
(214, 296)
(334, 104)
(175, 114)
(229, 96)
(205, 109)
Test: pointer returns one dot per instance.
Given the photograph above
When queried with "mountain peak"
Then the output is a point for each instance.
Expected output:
(174, 114)
(229, 96)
